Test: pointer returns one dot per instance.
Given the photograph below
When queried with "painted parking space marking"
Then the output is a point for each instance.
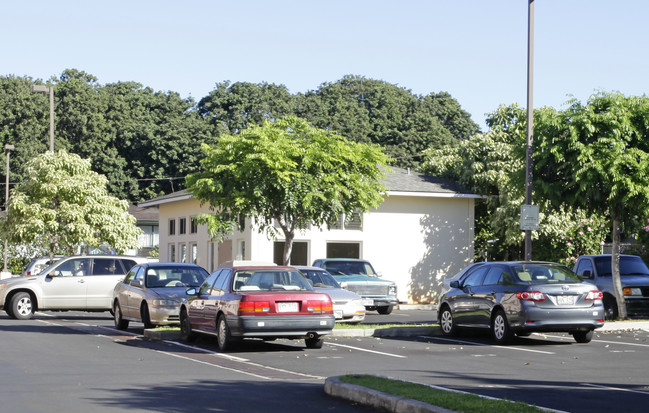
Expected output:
(186, 352)
(615, 388)
(366, 350)
(475, 343)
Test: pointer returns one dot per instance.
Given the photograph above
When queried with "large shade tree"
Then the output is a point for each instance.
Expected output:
(289, 173)
(62, 204)
(596, 156)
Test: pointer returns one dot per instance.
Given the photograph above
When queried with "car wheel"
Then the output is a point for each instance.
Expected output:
(21, 306)
(223, 336)
(384, 310)
(447, 323)
(610, 308)
(500, 330)
(120, 323)
(186, 333)
(583, 336)
(314, 342)
(146, 317)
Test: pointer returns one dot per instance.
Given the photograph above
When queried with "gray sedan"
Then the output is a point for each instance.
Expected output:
(152, 293)
(518, 298)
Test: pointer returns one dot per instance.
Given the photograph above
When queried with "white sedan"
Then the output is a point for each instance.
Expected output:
(348, 306)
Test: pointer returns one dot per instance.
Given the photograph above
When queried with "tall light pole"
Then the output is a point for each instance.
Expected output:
(530, 123)
(8, 149)
(50, 90)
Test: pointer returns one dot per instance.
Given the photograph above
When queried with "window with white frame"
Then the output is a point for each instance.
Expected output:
(172, 253)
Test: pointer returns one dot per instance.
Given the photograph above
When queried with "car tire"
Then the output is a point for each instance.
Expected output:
(384, 309)
(120, 323)
(500, 330)
(314, 342)
(186, 333)
(22, 306)
(146, 316)
(583, 336)
(223, 336)
(7, 309)
(610, 308)
(447, 323)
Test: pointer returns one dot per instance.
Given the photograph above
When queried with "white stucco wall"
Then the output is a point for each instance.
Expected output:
(416, 241)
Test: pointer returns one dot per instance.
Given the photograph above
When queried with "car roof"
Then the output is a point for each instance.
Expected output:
(342, 259)
(167, 264)
(308, 267)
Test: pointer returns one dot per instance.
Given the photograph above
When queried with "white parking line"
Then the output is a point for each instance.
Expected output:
(366, 350)
(602, 341)
(615, 388)
(454, 340)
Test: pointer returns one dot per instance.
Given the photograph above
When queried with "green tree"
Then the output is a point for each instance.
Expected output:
(287, 172)
(596, 157)
(62, 203)
(230, 108)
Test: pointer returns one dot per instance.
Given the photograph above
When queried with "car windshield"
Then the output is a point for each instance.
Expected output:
(628, 266)
(320, 279)
(545, 274)
(270, 280)
(174, 276)
(349, 268)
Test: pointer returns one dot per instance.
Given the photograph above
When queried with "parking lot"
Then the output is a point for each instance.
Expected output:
(78, 361)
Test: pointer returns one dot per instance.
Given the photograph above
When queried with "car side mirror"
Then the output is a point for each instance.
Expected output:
(137, 283)
(587, 274)
(191, 291)
(455, 284)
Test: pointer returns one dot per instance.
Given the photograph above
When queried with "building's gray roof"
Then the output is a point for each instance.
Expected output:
(403, 180)
(397, 181)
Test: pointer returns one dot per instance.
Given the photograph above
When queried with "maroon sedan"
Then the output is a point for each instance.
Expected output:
(242, 300)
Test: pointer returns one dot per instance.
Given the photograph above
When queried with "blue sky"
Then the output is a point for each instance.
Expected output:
(474, 49)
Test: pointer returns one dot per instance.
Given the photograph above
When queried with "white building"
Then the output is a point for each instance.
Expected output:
(422, 233)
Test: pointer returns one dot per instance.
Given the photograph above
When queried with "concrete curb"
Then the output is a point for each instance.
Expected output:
(376, 399)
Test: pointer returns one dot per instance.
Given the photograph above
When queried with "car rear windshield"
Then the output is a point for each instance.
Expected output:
(545, 274)
(174, 276)
(628, 266)
(270, 280)
(320, 279)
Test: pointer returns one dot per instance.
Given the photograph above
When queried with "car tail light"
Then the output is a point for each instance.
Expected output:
(254, 307)
(530, 296)
(594, 295)
(319, 306)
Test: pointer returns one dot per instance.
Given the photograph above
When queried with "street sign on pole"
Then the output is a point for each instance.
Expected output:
(529, 217)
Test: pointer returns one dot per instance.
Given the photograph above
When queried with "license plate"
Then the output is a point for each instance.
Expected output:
(338, 314)
(368, 302)
(565, 299)
(287, 307)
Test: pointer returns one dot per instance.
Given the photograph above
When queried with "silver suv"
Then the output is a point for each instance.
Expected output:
(80, 282)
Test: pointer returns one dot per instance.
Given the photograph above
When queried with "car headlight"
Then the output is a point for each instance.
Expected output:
(632, 291)
(357, 302)
(343, 285)
(392, 290)
(166, 303)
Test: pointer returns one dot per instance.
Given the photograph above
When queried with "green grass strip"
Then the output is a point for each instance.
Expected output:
(459, 402)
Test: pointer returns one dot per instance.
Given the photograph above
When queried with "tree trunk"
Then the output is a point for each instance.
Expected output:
(288, 246)
(615, 269)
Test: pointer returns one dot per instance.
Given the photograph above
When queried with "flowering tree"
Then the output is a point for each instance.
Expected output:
(63, 203)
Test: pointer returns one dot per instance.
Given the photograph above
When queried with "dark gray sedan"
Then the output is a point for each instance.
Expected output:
(519, 298)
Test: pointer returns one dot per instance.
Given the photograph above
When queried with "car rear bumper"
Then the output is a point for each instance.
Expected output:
(282, 326)
(380, 302)
(569, 319)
